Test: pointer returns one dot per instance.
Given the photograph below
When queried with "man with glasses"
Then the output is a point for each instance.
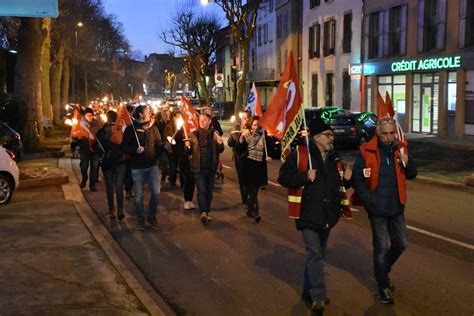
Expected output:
(379, 177)
(319, 202)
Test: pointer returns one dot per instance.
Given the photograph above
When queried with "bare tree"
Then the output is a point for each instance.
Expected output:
(242, 20)
(197, 36)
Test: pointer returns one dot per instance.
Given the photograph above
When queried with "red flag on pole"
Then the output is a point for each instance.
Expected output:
(191, 122)
(382, 109)
(284, 114)
(76, 130)
(123, 120)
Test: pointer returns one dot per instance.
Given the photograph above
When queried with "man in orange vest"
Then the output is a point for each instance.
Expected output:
(379, 179)
(320, 203)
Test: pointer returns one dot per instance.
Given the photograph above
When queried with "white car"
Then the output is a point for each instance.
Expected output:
(9, 175)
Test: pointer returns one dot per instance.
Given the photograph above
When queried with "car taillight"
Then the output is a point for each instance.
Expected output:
(353, 130)
(12, 155)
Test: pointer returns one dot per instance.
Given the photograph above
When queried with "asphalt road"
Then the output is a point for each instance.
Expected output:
(237, 267)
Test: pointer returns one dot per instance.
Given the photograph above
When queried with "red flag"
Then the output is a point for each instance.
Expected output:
(284, 114)
(389, 104)
(382, 110)
(400, 134)
(191, 122)
(123, 120)
(76, 130)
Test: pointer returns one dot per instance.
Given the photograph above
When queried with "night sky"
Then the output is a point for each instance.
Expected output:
(143, 20)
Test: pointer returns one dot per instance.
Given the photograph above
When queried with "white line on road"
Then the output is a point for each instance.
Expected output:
(419, 230)
(453, 241)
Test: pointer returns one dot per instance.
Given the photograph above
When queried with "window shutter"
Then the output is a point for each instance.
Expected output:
(333, 37)
(441, 36)
(421, 24)
(381, 33)
(317, 44)
(365, 37)
(462, 23)
(403, 29)
(386, 30)
(311, 42)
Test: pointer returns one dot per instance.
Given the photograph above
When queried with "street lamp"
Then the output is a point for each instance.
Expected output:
(79, 24)
(205, 2)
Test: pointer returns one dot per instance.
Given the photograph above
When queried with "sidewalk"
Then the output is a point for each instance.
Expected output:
(51, 264)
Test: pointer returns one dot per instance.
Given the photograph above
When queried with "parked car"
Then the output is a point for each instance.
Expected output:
(352, 129)
(11, 140)
(9, 175)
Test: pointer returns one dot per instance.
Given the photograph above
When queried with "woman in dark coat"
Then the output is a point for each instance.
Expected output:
(254, 166)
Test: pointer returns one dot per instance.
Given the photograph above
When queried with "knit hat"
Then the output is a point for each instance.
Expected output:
(88, 110)
(317, 125)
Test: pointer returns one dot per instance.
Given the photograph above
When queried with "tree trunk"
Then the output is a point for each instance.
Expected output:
(241, 82)
(45, 69)
(65, 83)
(56, 72)
(27, 93)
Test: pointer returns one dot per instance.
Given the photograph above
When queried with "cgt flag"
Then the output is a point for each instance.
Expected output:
(191, 122)
(284, 115)
(253, 102)
(123, 120)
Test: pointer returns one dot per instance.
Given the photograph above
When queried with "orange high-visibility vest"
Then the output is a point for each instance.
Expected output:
(294, 194)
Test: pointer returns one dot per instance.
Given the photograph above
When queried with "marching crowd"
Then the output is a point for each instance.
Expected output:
(154, 149)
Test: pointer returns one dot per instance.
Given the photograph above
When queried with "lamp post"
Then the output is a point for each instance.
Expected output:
(79, 24)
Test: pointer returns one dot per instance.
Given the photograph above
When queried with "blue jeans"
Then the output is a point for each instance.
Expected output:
(205, 185)
(152, 177)
(384, 257)
(114, 177)
(314, 281)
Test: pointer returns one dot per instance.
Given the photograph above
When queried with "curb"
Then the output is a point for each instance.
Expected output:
(49, 154)
(134, 278)
(41, 182)
(447, 183)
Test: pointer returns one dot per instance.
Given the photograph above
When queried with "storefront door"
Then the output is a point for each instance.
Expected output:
(425, 103)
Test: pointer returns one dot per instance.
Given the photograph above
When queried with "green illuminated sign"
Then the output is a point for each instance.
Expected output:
(427, 64)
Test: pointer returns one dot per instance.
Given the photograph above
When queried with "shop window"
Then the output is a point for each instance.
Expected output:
(346, 90)
(329, 89)
(347, 36)
(314, 90)
(329, 37)
(314, 3)
(431, 25)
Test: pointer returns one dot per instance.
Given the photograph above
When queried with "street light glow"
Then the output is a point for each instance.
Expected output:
(80, 24)
(204, 2)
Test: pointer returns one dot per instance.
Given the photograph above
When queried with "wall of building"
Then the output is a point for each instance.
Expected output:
(337, 63)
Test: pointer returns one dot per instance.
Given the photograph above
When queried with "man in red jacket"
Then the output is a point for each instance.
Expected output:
(380, 170)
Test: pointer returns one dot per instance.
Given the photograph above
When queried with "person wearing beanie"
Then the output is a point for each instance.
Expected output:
(320, 203)
(88, 159)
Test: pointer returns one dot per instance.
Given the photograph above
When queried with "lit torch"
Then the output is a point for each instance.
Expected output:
(179, 125)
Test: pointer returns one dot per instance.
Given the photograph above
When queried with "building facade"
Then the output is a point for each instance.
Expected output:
(263, 52)
(331, 43)
(165, 76)
(422, 53)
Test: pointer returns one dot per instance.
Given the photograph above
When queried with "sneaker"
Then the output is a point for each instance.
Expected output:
(318, 305)
(385, 296)
(186, 205)
(257, 218)
(391, 286)
(191, 205)
(120, 215)
(153, 223)
(204, 218)
(306, 298)
(141, 224)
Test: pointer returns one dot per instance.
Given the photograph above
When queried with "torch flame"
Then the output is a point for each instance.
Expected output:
(232, 118)
(179, 123)
(74, 121)
(103, 117)
(241, 115)
(68, 122)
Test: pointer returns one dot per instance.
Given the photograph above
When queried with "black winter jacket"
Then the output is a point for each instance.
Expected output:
(149, 138)
(321, 200)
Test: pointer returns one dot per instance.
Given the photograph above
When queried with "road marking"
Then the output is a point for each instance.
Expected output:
(450, 240)
(419, 230)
